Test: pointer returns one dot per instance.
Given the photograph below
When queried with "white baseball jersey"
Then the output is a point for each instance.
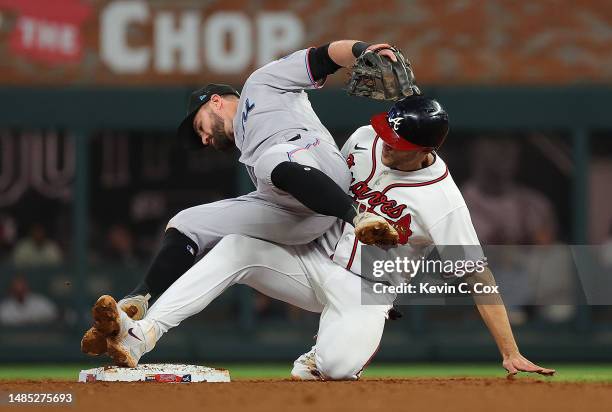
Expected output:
(274, 107)
(425, 206)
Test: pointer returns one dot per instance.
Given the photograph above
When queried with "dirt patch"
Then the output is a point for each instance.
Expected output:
(418, 395)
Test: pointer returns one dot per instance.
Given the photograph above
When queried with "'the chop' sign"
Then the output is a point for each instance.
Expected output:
(136, 41)
(171, 43)
(187, 42)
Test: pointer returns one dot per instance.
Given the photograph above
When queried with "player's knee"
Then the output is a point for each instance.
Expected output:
(177, 221)
(183, 222)
(336, 366)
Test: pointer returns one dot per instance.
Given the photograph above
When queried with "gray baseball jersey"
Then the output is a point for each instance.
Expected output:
(274, 123)
(273, 106)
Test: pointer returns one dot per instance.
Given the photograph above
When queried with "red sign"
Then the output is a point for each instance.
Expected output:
(47, 31)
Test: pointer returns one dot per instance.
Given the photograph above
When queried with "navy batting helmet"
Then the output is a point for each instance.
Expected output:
(413, 123)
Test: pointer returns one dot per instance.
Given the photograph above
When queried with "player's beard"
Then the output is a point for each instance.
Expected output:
(219, 138)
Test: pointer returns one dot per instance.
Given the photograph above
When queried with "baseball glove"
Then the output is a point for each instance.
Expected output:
(380, 78)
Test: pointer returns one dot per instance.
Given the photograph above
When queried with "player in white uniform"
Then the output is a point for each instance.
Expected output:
(396, 174)
(300, 176)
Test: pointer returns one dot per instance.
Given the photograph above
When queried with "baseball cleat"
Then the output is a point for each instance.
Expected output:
(371, 229)
(305, 368)
(126, 341)
(93, 342)
(135, 306)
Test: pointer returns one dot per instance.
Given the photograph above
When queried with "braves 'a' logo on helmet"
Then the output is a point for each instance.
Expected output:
(396, 122)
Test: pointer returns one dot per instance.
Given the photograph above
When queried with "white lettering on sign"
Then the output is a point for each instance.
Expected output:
(185, 43)
(28, 30)
(48, 36)
(171, 40)
(237, 28)
(115, 21)
(278, 33)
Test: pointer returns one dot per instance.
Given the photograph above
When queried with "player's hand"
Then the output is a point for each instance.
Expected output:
(516, 363)
(384, 52)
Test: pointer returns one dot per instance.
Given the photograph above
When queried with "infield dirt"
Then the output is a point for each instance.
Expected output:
(418, 395)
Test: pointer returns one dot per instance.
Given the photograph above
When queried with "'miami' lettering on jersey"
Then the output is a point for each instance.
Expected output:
(247, 108)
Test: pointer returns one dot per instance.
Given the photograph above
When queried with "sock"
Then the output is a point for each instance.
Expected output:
(314, 189)
(176, 255)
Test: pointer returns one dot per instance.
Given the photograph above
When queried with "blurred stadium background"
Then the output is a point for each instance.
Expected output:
(91, 92)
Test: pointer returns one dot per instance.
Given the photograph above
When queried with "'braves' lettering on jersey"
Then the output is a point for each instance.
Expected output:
(425, 206)
(388, 207)
(396, 122)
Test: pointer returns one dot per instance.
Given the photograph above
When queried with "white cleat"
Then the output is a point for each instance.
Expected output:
(135, 306)
(371, 229)
(305, 367)
(126, 340)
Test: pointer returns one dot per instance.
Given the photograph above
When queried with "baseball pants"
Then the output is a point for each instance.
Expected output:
(304, 276)
(267, 213)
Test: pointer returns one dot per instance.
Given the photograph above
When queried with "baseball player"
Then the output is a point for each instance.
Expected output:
(301, 178)
(398, 175)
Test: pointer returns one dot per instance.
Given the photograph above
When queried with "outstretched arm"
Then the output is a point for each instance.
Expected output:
(327, 59)
(493, 313)
(307, 69)
(344, 52)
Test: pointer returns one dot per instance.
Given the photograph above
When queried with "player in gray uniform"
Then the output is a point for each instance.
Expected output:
(301, 177)
(396, 156)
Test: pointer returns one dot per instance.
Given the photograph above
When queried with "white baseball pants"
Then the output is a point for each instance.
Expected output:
(304, 276)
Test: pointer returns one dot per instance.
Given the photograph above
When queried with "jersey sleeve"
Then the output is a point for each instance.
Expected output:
(456, 229)
(289, 73)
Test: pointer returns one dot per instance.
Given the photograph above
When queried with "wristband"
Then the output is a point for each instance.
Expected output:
(358, 48)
